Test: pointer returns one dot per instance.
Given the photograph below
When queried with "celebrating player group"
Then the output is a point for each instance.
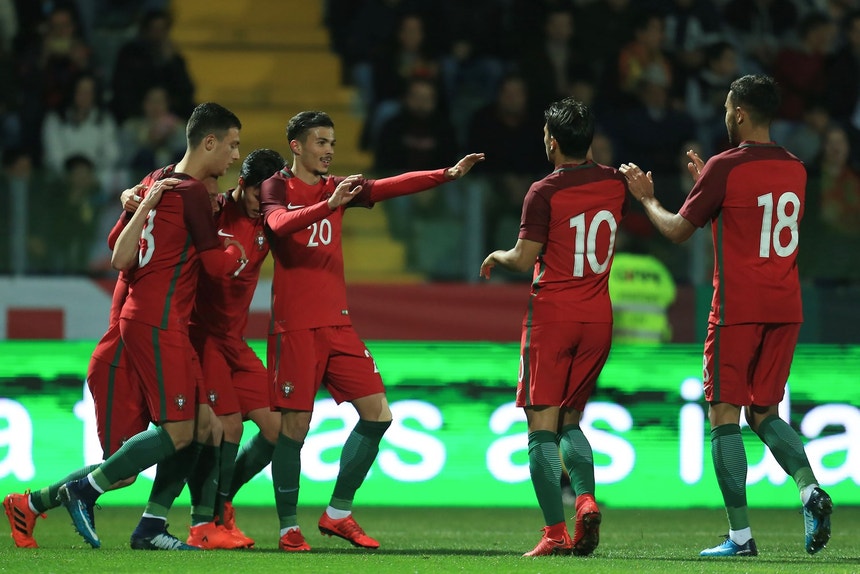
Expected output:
(173, 379)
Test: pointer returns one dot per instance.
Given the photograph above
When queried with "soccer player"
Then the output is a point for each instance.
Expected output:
(120, 412)
(236, 381)
(567, 234)
(169, 244)
(753, 195)
(311, 341)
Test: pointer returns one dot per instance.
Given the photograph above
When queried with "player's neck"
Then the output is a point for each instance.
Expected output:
(304, 175)
(757, 135)
(189, 166)
(569, 161)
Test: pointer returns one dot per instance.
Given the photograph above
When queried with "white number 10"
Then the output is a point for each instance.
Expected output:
(769, 232)
(585, 242)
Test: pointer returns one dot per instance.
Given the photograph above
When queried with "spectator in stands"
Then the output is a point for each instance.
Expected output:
(843, 73)
(407, 58)
(799, 69)
(760, 28)
(833, 213)
(83, 127)
(153, 138)
(653, 130)
(706, 95)
(420, 136)
(603, 28)
(690, 26)
(73, 233)
(505, 130)
(24, 227)
(10, 121)
(643, 56)
(148, 60)
(474, 59)
(550, 67)
(48, 65)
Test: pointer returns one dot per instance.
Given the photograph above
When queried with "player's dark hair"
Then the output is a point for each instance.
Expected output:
(210, 118)
(571, 123)
(259, 165)
(301, 123)
(758, 94)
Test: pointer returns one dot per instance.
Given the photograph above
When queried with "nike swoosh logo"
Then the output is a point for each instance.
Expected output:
(291, 206)
(223, 234)
(286, 490)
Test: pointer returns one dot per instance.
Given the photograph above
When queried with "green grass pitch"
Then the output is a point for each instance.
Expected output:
(440, 540)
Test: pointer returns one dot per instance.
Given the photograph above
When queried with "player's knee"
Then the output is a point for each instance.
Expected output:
(233, 428)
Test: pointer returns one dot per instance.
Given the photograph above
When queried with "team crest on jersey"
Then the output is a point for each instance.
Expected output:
(213, 396)
(287, 388)
(179, 401)
(260, 240)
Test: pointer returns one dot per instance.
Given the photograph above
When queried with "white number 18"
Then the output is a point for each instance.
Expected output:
(770, 233)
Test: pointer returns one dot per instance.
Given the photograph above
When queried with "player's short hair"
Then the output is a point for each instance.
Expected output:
(758, 94)
(302, 122)
(210, 118)
(259, 165)
(571, 123)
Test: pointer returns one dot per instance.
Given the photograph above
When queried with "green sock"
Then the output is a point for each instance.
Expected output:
(45, 499)
(170, 475)
(359, 452)
(730, 465)
(137, 453)
(253, 457)
(203, 484)
(787, 448)
(227, 466)
(286, 468)
(545, 470)
(578, 459)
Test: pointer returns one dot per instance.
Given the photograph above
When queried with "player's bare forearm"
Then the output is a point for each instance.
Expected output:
(125, 250)
(416, 181)
(673, 226)
(521, 258)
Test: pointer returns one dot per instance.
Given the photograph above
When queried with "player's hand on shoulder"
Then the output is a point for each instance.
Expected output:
(463, 166)
(153, 195)
(345, 191)
(640, 184)
(131, 197)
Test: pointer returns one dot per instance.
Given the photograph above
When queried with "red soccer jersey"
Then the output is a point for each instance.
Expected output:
(222, 302)
(162, 289)
(753, 195)
(574, 212)
(308, 287)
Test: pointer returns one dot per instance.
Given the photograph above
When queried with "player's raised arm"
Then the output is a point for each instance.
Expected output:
(416, 181)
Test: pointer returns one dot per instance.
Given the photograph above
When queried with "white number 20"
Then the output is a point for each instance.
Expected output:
(320, 233)
(585, 242)
(770, 233)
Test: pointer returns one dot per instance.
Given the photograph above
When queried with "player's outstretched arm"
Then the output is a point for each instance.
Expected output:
(641, 185)
(521, 258)
(463, 166)
(415, 181)
(125, 250)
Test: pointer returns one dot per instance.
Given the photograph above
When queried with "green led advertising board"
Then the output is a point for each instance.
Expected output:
(458, 440)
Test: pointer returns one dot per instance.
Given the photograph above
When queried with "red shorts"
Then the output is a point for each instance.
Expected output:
(301, 361)
(234, 377)
(560, 363)
(120, 407)
(168, 369)
(748, 364)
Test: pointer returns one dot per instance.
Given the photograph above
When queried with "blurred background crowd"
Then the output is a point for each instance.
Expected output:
(96, 94)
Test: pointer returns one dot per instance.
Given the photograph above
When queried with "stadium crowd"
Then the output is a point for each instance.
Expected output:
(85, 113)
